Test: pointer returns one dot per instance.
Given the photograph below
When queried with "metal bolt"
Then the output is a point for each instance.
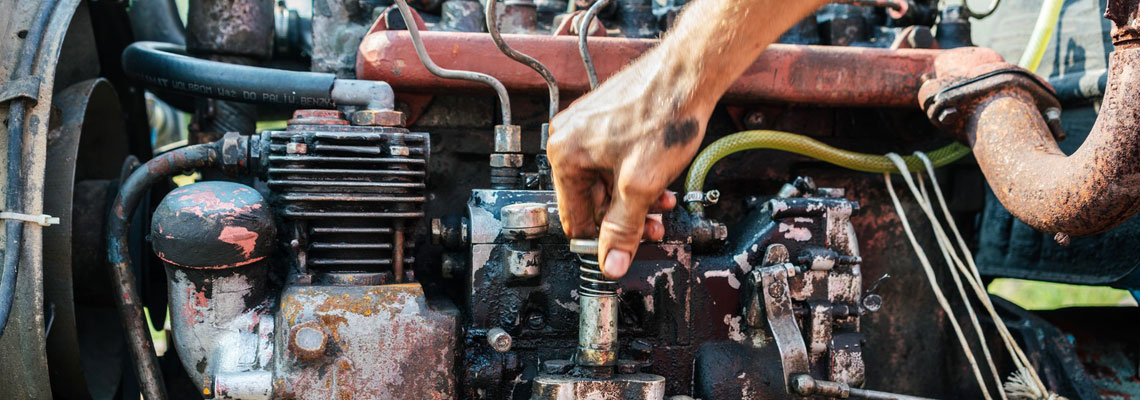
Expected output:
(712, 196)
(499, 340)
(803, 384)
(436, 231)
(1061, 238)
(720, 231)
(754, 120)
(872, 302)
(307, 340)
(776, 289)
(945, 116)
(1053, 114)
(535, 320)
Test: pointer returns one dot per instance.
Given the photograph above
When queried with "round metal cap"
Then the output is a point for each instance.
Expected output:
(584, 246)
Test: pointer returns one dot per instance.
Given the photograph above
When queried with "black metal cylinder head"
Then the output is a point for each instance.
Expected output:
(213, 225)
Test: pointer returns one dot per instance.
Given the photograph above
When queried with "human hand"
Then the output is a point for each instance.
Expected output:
(613, 152)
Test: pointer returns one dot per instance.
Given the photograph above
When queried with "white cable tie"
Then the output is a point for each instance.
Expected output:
(42, 219)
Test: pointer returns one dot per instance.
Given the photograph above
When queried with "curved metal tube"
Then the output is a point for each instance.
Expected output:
(583, 33)
(1091, 191)
(129, 305)
(421, 52)
(493, 29)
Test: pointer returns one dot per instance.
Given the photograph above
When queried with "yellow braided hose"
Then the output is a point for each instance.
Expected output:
(803, 145)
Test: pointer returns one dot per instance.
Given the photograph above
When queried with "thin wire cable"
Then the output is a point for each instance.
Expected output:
(421, 52)
(493, 29)
(583, 33)
(929, 270)
(952, 260)
(974, 278)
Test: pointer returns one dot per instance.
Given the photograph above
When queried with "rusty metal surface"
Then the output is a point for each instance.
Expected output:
(1088, 192)
(619, 387)
(229, 27)
(23, 348)
(783, 73)
(382, 342)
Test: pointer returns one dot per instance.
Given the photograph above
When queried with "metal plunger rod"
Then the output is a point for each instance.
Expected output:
(597, 309)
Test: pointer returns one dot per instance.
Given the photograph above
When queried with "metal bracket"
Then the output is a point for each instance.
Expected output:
(782, 321)
(42, 220)
(27, 87)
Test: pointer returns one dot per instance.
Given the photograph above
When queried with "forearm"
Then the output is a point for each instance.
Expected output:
(715, 41)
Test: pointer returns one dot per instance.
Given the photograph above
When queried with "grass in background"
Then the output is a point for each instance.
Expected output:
(1036, 295)
(157, 337)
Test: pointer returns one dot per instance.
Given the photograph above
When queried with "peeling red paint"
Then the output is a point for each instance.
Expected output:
(241, 237)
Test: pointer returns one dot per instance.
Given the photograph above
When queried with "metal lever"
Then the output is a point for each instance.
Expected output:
(805, 385)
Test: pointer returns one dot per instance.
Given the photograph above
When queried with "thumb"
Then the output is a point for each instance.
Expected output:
(621, 231)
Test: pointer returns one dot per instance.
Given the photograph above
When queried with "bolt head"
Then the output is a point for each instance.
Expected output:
(947, 115)
(499, 340)
(872, 302)
(307, 340)
(1062, 238)
(776, 289)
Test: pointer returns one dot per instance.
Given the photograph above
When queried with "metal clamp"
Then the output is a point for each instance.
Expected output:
(42, 219)
(27, 87)
(707, 198)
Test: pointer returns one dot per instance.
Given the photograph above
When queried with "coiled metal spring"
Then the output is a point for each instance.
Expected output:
(591, 281)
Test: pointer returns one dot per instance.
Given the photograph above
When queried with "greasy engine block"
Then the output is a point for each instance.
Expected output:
(297, 294)
(689, 305)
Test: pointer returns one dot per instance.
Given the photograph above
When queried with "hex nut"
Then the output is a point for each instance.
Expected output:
(379, 118)
(502, 160)
(508, 138)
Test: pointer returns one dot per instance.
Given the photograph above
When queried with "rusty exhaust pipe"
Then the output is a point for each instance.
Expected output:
(1011, 120)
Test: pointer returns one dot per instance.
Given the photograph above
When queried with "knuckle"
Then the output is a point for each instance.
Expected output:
(639, 189)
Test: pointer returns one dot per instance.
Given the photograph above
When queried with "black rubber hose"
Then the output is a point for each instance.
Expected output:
(165, 66)
(14, 198)
(127, 299)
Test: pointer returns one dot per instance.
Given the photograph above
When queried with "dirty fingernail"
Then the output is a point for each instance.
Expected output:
(617, 263)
